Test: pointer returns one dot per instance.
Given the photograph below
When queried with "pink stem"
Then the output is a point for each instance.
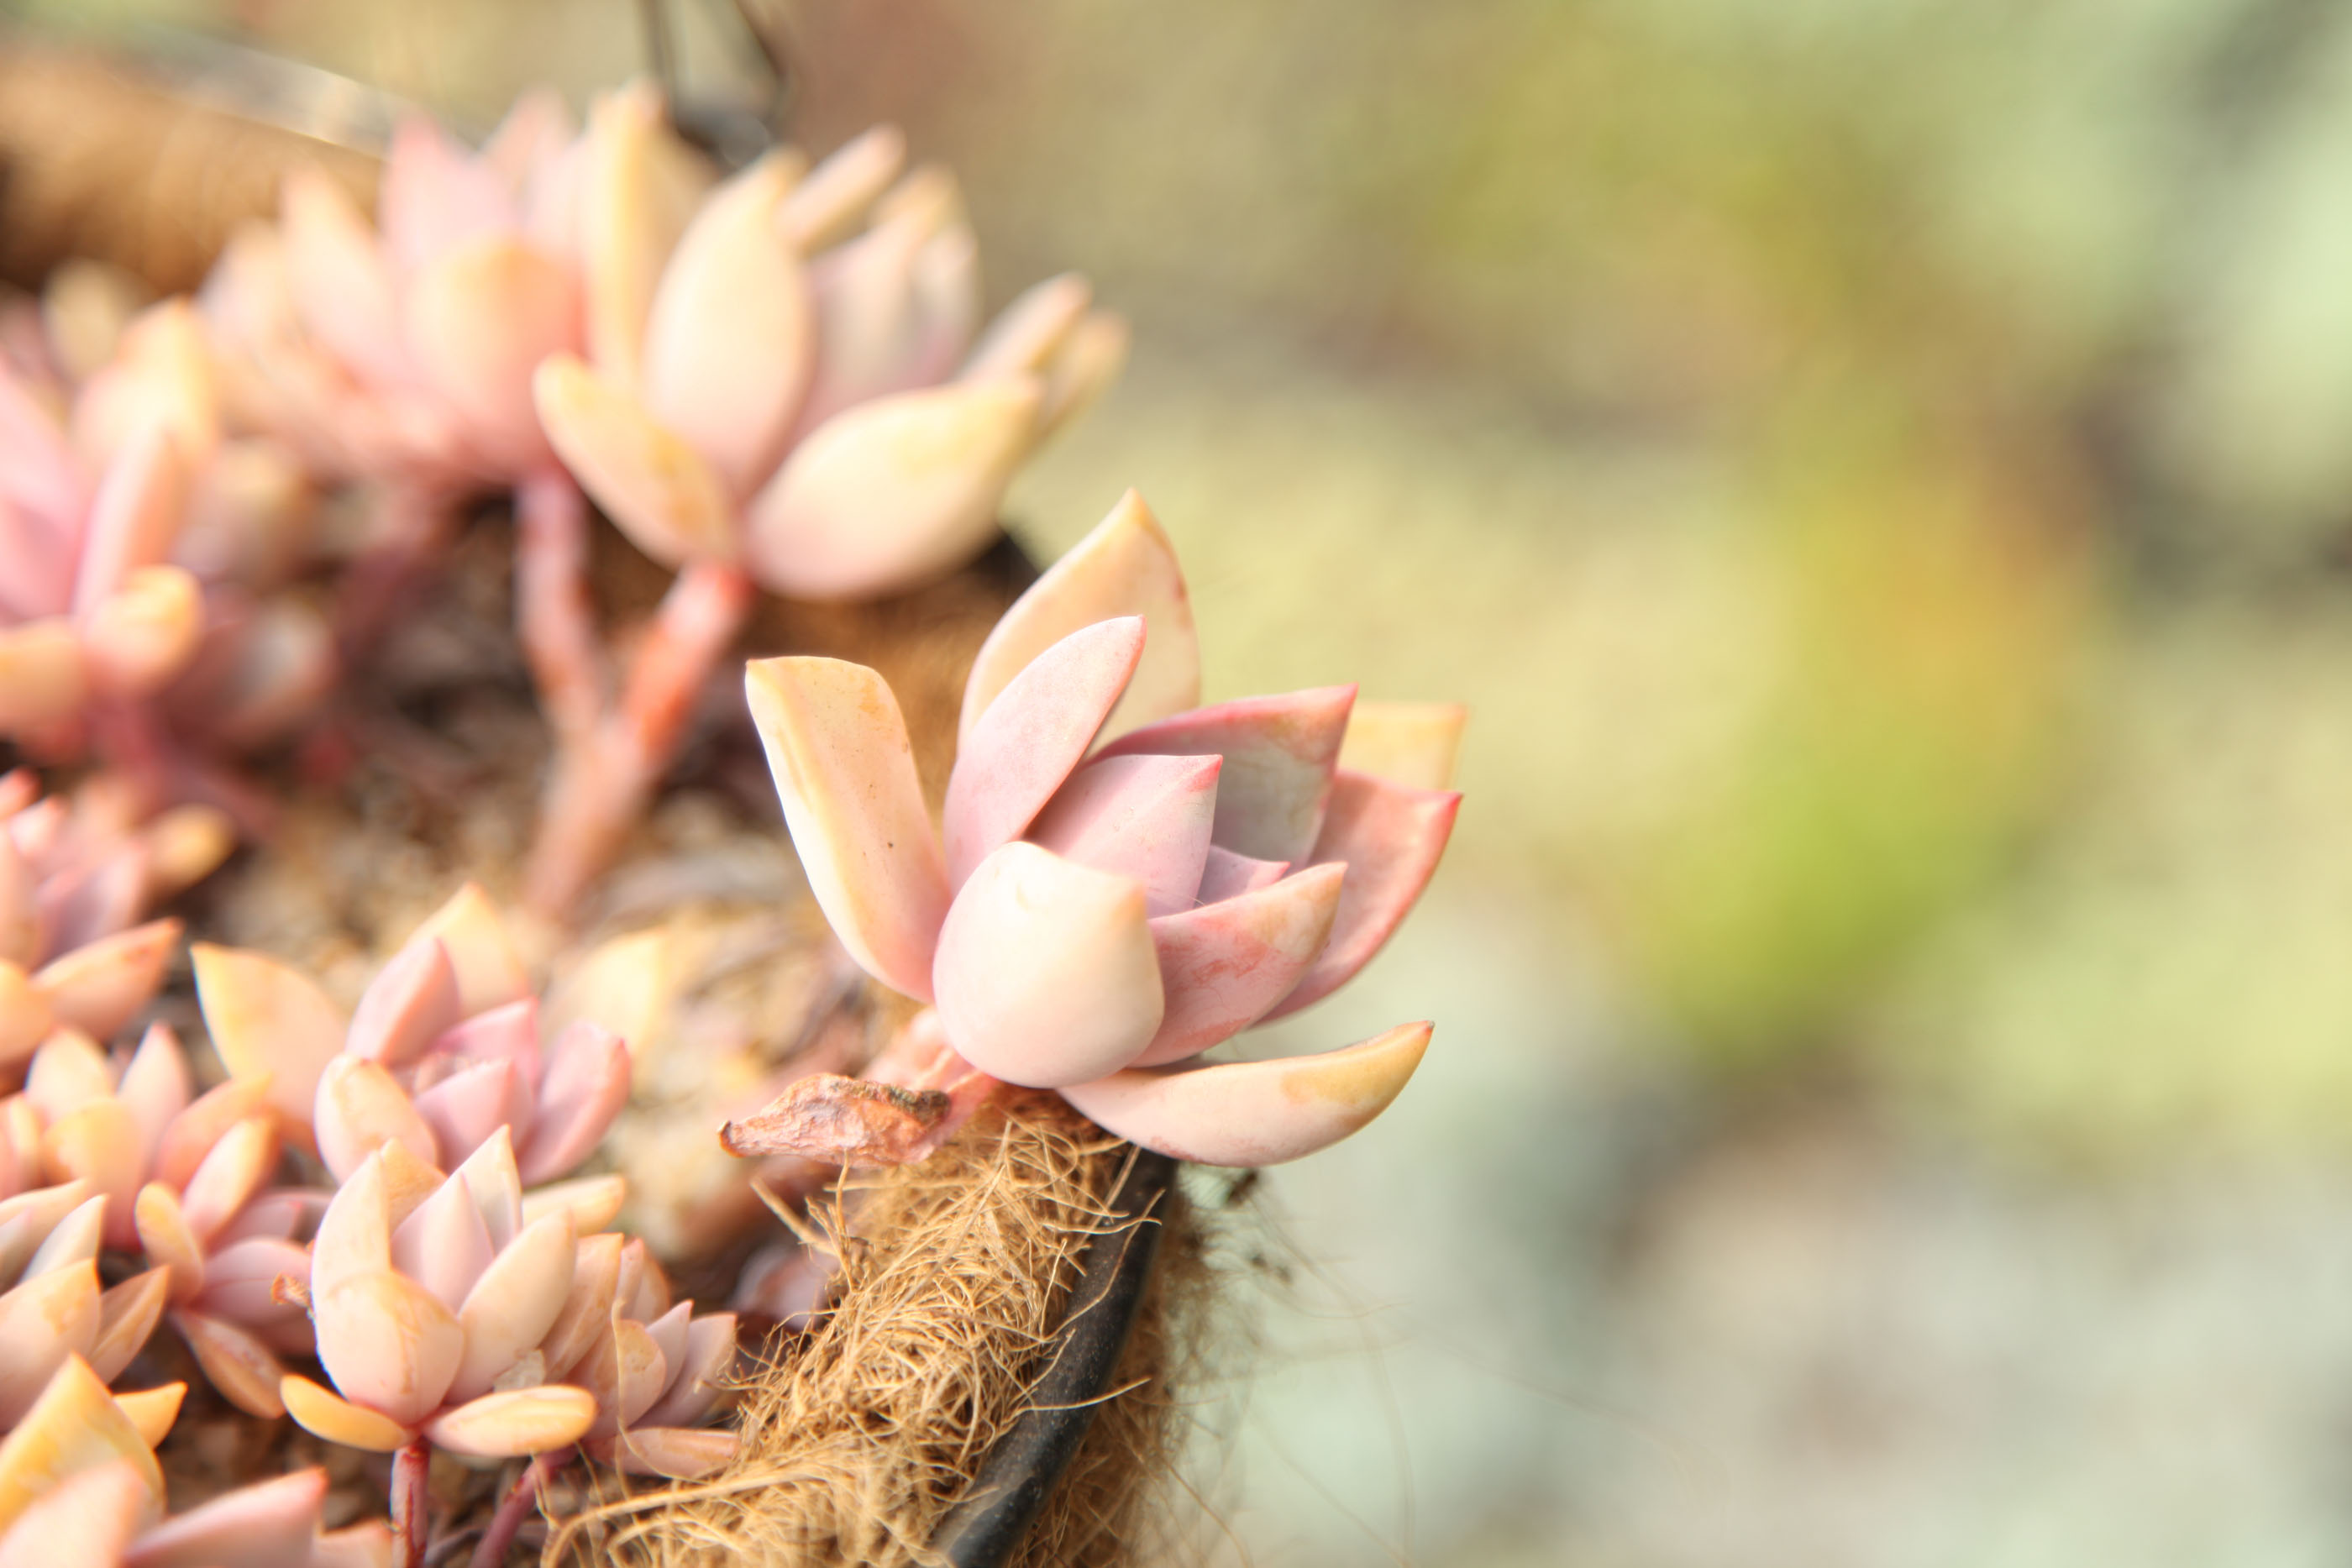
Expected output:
(599, 788)
(552, 613)
(517, 1505)
(409, 1524)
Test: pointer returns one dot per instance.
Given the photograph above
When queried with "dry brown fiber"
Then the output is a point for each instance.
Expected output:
(953, 1276)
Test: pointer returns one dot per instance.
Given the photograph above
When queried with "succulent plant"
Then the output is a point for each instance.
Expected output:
(656, 1370)
(780, 388)
(54, 1309)
(79, 1484)
(432, 1297)
(1124, 880)
(179, 1175)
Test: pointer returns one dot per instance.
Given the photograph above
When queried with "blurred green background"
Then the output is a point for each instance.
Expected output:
(1881, 473)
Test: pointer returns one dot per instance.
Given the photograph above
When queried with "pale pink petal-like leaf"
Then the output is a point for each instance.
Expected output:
(481, 320)
(729, 343)
(127, 1315)
(100, 987)
(98, 1143)
(1142, 817)
(1124, 567)
(269, 1016)
(489, 1175)
(1389, 838)
(360, 1107)
(85, 1518)
(436, 195)
(1027, 333)
(145, 633)
(874, 301)
(43, 677)
(639, 190)
(43, 1321)
(235, 1362)
(1090, 361)
(409, 1003)
(1045, 974)
(1254, 1112)
(267, 1525)
(1226, 964)
(193, 1132)
(508, 1032)
(699, 1372)
(1010, 763)
(509, 1425)
(75, 1239)
(155, 1086)
(230, 1175)
(660, 492)
(342, 283)
(625, 1374)
(592, 1201)
(389, 1344)
(1228, 875)
(833, 199)
(166, 1236)
(674, 1453)
(152, 1410)
(585, 1085)
(892, 493)
(490, 973)
(354, 1234)
(241, 1277)
(464, 1108)
(283, 1214)
(587, 1308)
(515, 1302)
(73, 1427)
(535, 131)
(845, 771)
(444, 1245)
(1411, 744)
(1279, 754)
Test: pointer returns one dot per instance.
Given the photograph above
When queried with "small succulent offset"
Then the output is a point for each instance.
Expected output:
(1125, 880)
(781, 388)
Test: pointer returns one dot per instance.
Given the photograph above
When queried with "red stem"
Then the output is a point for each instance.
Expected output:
(516, 1506)
(409, 1524)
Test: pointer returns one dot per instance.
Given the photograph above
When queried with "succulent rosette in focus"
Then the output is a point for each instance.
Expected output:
(1124, 880)
(784, 373)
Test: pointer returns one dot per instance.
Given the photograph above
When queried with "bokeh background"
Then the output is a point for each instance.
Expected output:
(1880, 472)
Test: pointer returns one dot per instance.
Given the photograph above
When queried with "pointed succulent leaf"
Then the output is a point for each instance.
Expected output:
(1045, 974)
(1411, 744)
(230, 1175)
(444, 1245)
(127, 1317)
(520, 1421)
(1027, 333)
(436, 195)
(141, 635)
(1142, 817)
(412, 999)
(1010, 765)
(1089, 361)
(235, 1362)
(514, 1304)
(270, 1524)
(585, 1085)
(846, 774)
(360, 1107)
(1279, 754)
(43, 677)
(98, 988)
(481, 320)
(73, 1427)
(639, 188)
(892, 493)
(489, 971)
(1124, 567)
(464, 1109)
(324, 1413)
(389, 1344)
(341, 281)
(1389, 838)
(43, 1321)
(657, 489)
(827, 205)
(269, 1016)
(88, 1518)
(1254, 1112)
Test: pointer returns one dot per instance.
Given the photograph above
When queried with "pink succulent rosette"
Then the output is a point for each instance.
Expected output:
(103, 1515)
(1124, 880)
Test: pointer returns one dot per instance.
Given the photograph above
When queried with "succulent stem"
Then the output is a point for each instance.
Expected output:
(409, 1524)
(516, 1506)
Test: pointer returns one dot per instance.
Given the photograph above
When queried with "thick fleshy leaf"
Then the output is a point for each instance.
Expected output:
(42, 677)
(1254, 1112)
(464, 1108)
(152, 1410)
(359, 1108)
(845, 771)
(1010, 764)
(626, 1374)
(100, 987)
(585, 1085)
(1226, 964)
(1389, 838)
(389, 1344)
(409, 1003)
(269, 1016)
(134, 516)
(1090, 361)
(481, 318)
(241, 1280)
(1027, 333)
(68, 1072)
(127, 1317)
(730, 344)
(1279, 754)
(592, 1201)
(639, 190)
(74, 1239)
(508, 1032)
(587, 1308)
(155, 1086)
(657, 489)
(166, 1235)
(27, 1220)
(489, 1177)
(699, 1372)
(342, 283)
(520, 1421)
(890, 316)
(444, 1245)
(490, 973)
(1046, 973)
(230, 1175)
(833, 199)
(676, 1453)
(235, 1362)
(435, 194)
(98, 1143)
(892, 493)
(1124, 567)
(1411, 744)
(73, 1427)
(324, 1413)
(354, 1235)
(191, 1134)
(1228, 875)
(514, 1304)
(86, 1519)
(1143, 817)
(142, 635)
(42, 1322)
(267, 1525)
